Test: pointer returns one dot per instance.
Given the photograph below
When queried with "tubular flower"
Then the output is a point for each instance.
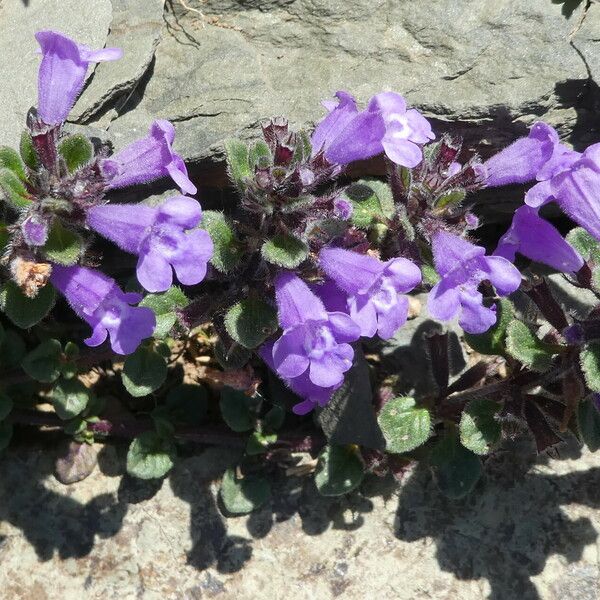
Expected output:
(148, 159)
(522, 160)
(463, 266)
(574, 185)
(165, 238)
(313, 352)
(62, 73)
(99, 301)
(347, 134)
(535, 238)
(376, 289)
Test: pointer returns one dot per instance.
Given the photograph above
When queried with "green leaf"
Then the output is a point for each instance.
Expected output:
(77, 151)
(259, 156)
(242, 496)
(25, 312)
(404, 426)
(6, 405)
(451, 198)
(259, 442)
(6, 431)
(238, 162)
(339, 470)
(150, 456)
(27, 151)
(63, 246)
(144, 372)
(13, 190)
(522, 344)
(187, 404)
(590, 364)
(584, 243)
(235, 410)
(250, 322)
(588, 419)
(10, 159)
(372, 201)
(285, 251)
(44, 362)
(232, 357)
(492, 341)
(70, 398)
(227, 252)
(12, 349)
(164, 307)
(275, 417)
(479, 430)
(456, 469)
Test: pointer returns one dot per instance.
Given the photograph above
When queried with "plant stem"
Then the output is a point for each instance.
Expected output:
(201, 435)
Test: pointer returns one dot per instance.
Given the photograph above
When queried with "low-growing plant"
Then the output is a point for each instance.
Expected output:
(278, 293)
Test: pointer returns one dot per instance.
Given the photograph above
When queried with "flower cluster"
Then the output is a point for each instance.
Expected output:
(303, 266)
(57, 191)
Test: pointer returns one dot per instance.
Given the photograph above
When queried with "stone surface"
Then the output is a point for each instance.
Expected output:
(85, 20)
(487, 68)
(528, 531)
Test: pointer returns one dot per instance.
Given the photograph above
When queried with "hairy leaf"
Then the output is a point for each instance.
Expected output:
(150, 456)
(285, 251)
(44, 362)
(522, 344)
(250, 322)
(339, 471)
(404, 426)
(70, 398)
(25, 312)
(479, 430)
(227, 252)
(242, 496)
(456, 469)
(144, 371)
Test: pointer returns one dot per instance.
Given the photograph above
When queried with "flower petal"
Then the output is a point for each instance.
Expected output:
(443, 301)
(154, 272)
(390, 321)
(475, 318)
(191, 262)
(296, 304)
(504, 276)
(180, 210)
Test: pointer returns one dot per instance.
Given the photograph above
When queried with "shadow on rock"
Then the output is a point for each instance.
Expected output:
(212, 546)
(507, 528)
(52, 522)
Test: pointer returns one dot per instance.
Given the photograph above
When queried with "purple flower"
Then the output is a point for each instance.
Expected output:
(375, 289)
(35, 230)
(99, 301)
(573, 181)
(62, 73)
(535, 238)
(164, 238)
(405, 130)
(347, 134)
(463, 266)
(522, 160)
(148, 159)
(313, 352)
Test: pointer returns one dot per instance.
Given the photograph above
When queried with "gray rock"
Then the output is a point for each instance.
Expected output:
(486, 69)
(136, 28)
(528, 531)
(87, 21)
